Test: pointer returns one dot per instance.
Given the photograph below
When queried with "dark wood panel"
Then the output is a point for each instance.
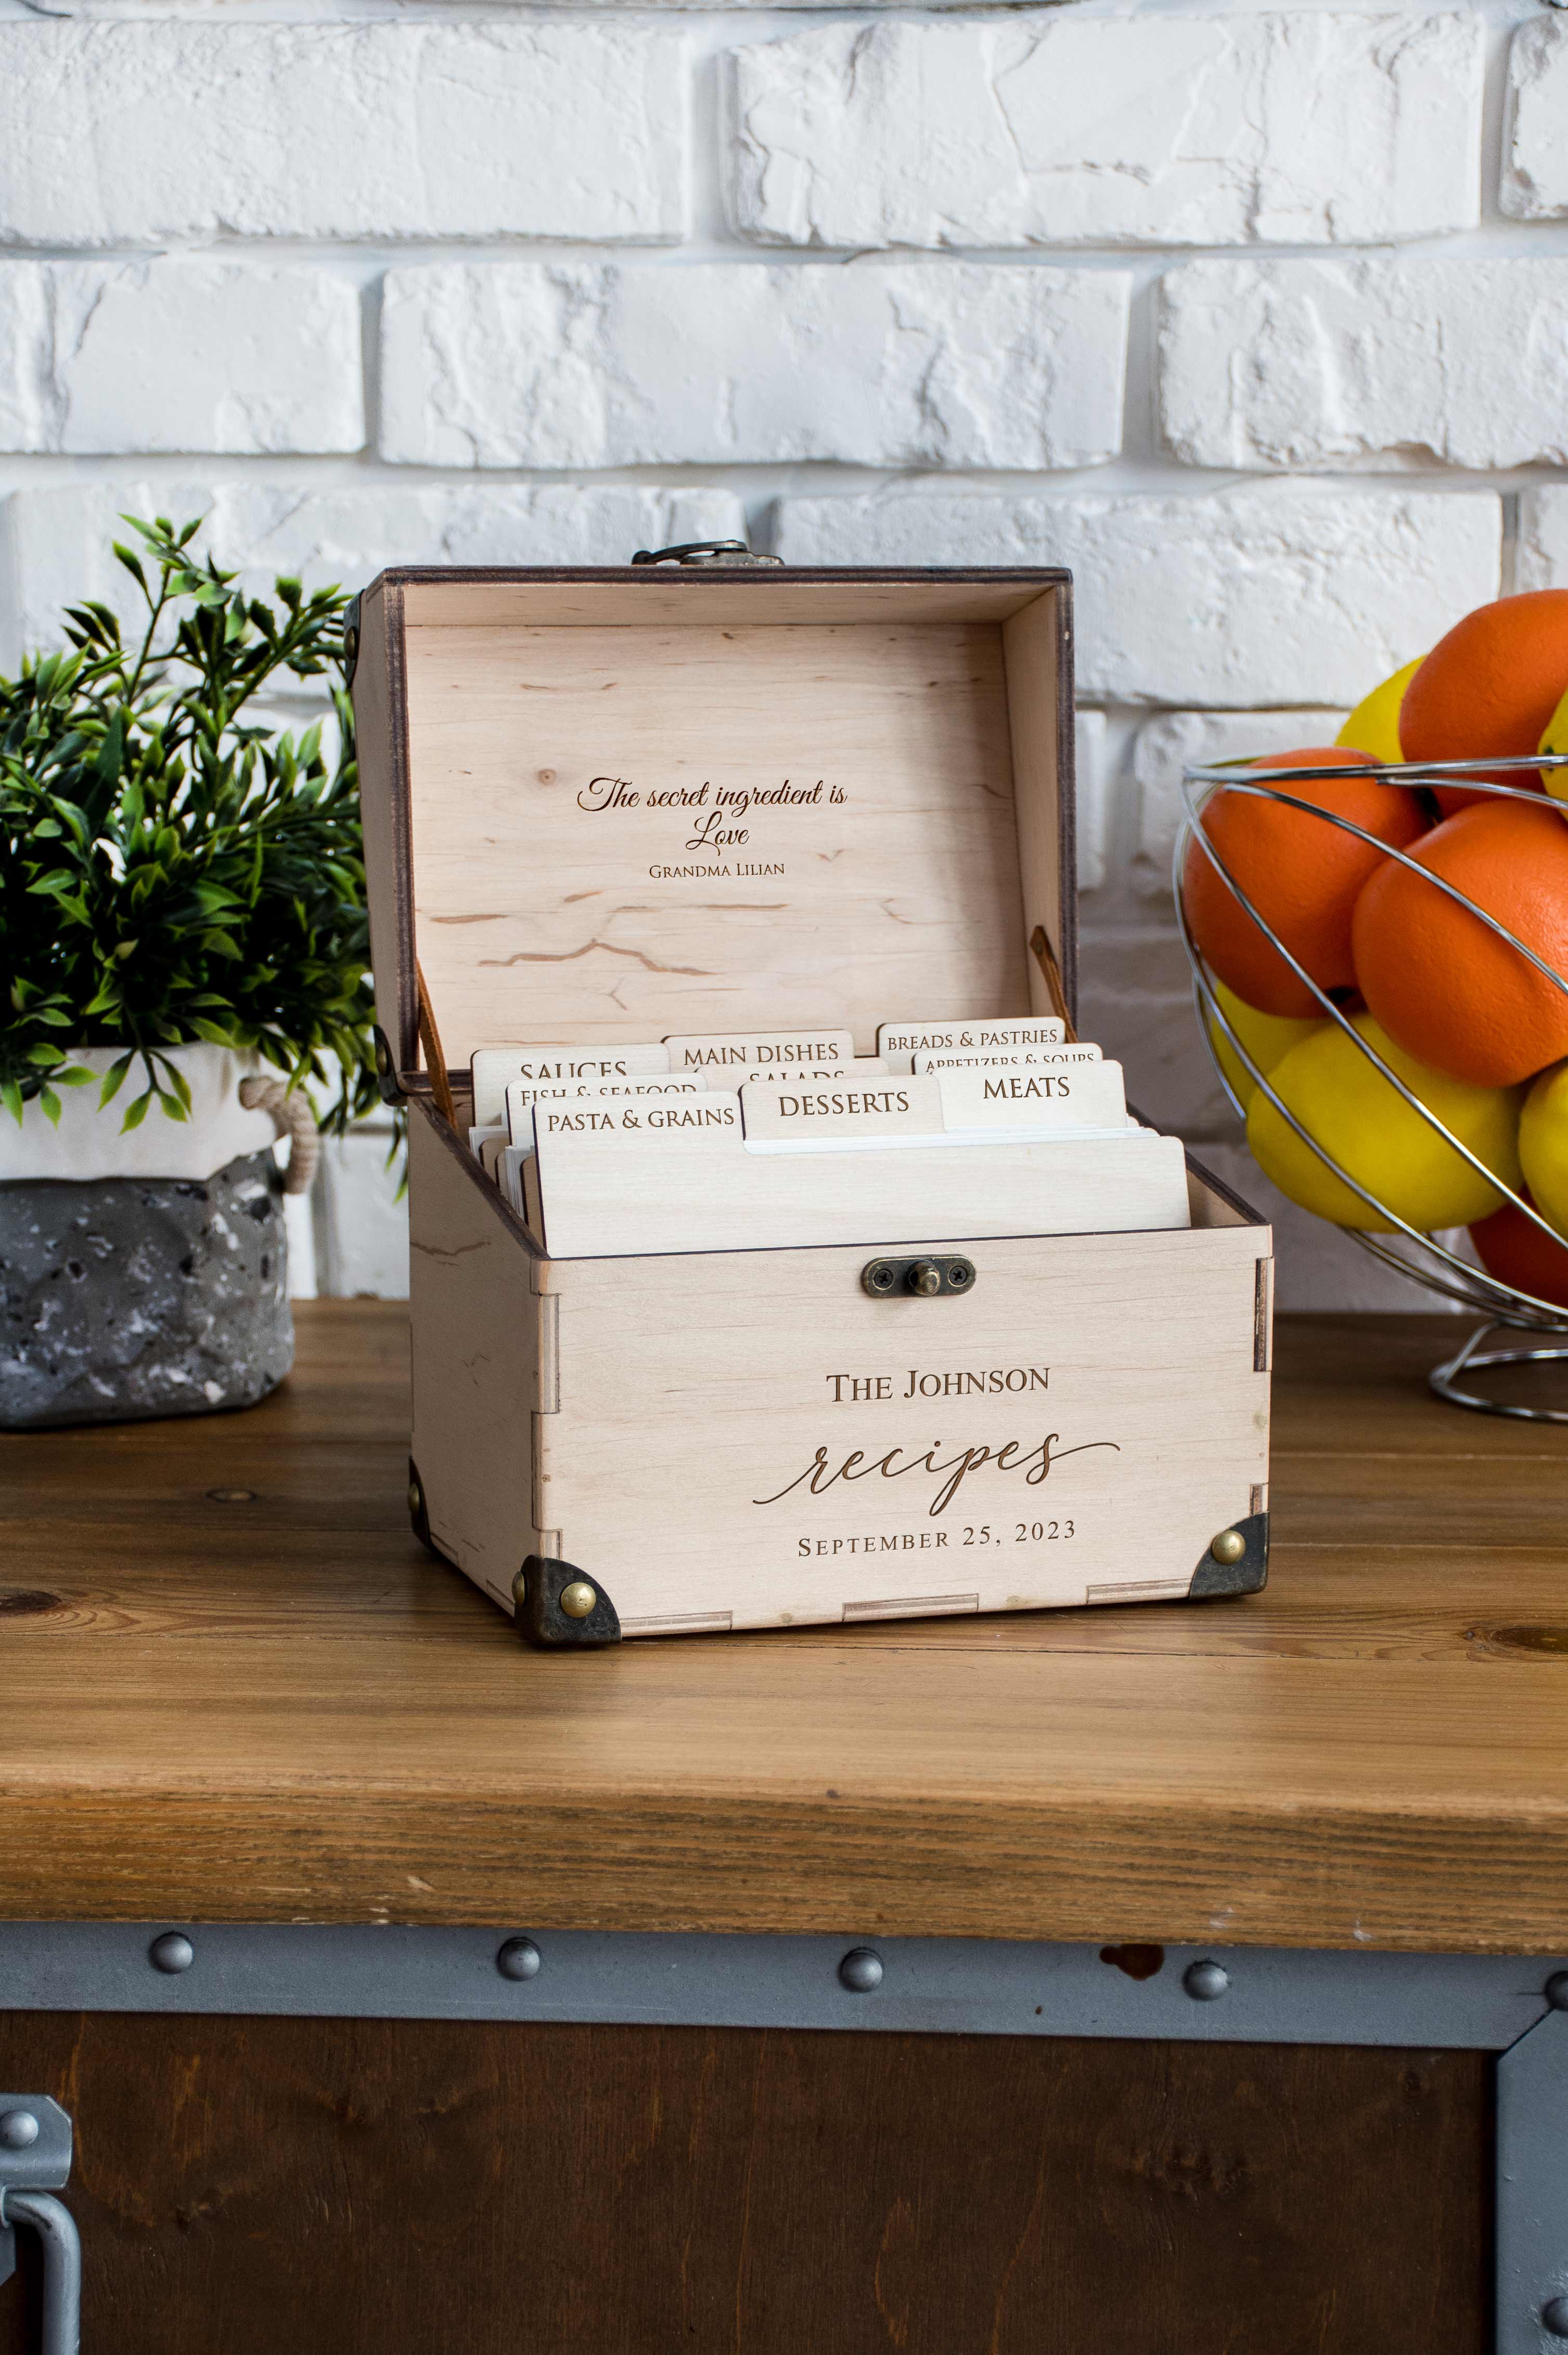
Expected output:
(419, 2188)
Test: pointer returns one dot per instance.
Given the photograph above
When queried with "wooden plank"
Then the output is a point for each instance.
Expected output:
(552, 906)
(881, 1457)
(294, 1711)
(476, 1327)
(784, 599)
(380, 730)
(410, 2186)
(692, 1189)
(1038, 693)
(1374, 1398)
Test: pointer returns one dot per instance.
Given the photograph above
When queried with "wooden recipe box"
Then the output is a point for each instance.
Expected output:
(713, 1439)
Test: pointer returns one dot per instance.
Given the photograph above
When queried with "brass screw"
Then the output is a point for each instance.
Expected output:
(924, 1278)
(416, 1498)
(383, 1057)
(1228, 1546)
(520, 1588)
(578, 1599)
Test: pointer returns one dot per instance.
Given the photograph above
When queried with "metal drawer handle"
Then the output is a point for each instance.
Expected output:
(35, 2162)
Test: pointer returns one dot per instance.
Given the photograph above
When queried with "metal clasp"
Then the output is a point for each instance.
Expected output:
(704, 551)
(35, 2162)
(926, 1277)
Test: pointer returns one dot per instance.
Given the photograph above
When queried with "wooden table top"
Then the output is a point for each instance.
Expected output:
(235, 1689)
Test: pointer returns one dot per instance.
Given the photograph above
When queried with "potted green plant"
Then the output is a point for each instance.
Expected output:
(183, 951)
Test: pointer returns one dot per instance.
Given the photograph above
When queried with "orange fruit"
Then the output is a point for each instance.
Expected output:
(1443, 984)
(1301, 874)
(1489, 688)
(1510, 1248)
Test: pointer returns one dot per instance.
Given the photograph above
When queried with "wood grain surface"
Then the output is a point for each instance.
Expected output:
(412, 2188)
(235, 1689)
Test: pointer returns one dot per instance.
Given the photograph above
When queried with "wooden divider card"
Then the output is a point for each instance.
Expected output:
(970, 1107)
(775, 1050)
(899, 1042)
(1018, 1058)
(492, 1069)
(932, 1156)
(522, 1096)
(766, 1075)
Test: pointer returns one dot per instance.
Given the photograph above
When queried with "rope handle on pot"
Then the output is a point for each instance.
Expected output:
(292, 1118)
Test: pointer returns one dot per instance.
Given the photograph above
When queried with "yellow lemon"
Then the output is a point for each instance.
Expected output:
(1361, 1119)
(1373, 726)
(1543, 1144)
(1265, 1036)
(1554, 740)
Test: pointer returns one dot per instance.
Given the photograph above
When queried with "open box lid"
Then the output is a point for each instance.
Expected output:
(606, 805)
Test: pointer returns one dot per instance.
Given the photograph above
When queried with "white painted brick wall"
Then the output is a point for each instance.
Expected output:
(55, 543)
(197, 128)
(1092, 803)
(1285, 596)
(531, 364)
(900, 288)
(1542, 557)
(1365, 363)
(1535, 171)
(145, 356)
(1215, 133)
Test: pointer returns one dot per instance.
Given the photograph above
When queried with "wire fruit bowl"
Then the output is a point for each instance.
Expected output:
(1423, 1257)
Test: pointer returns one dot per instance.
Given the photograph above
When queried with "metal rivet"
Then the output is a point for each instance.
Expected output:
(520, 1958)
(578, 1599)
(1228, 1546)
(1556, 1990)
(1554, 2315)
(383, 1057)
(171, 1952)
(861, 1970)
(924, 1278)
(18, 2130)
(1206, 1982)
(416, 1498)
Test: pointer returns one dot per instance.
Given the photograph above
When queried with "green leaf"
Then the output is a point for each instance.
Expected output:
(51, 1104)
(113, 1080)
(136, 1114)
(132, 564)
(175, 866)
(11, 1095)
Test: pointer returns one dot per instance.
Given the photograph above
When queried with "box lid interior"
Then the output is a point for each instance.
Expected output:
(630, 803)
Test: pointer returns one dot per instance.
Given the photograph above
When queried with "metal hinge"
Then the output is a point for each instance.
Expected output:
(704, 551)
(34, 2163)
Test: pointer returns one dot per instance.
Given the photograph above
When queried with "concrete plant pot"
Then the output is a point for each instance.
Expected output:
(147, 1274)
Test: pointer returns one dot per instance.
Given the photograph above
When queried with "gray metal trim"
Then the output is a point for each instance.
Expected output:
(1533, 2190)
(935, 1986)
